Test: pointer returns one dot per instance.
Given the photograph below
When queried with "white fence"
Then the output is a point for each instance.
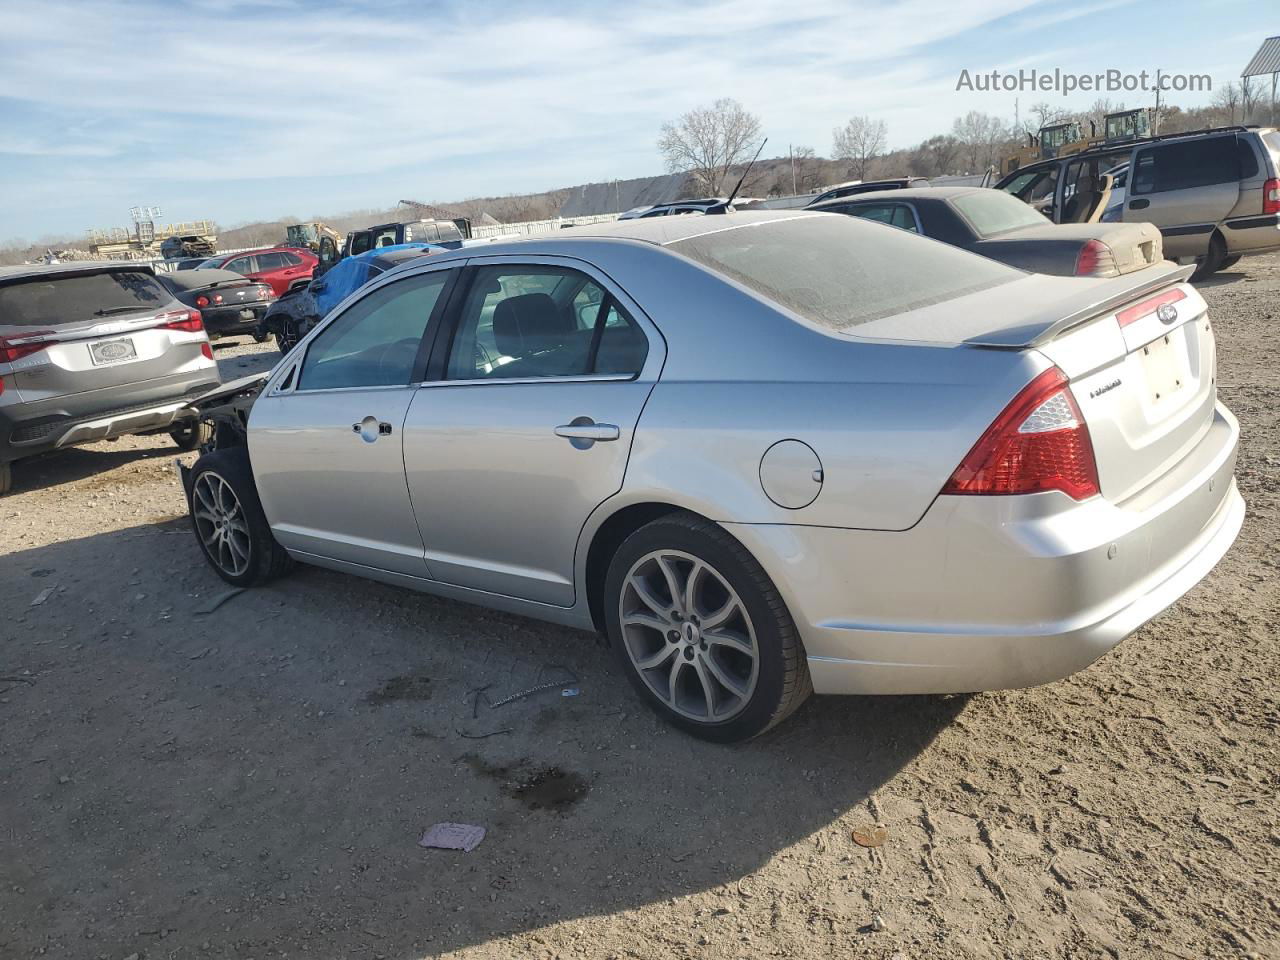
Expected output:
(533, 228)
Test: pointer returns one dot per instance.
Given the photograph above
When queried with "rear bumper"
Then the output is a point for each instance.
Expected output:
(232, 319)
(30, 428)
(990, 593)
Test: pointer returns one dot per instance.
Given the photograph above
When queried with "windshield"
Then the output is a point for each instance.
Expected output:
(840, 271)
(49, 300)
(993, 212)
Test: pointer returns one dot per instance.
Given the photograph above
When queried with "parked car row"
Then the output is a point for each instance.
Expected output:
(765, 454)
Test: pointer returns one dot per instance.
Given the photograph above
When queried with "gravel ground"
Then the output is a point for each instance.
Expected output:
(250, 781)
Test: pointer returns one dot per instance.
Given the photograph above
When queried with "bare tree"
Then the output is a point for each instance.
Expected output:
(859, 141)
(1043, 114)
(708, 141)
(1227, 100)
(937, 156)
(980, 136)
(804, 170)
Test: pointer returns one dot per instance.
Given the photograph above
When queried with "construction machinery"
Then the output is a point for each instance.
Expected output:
(309, 235)
(1067, 137)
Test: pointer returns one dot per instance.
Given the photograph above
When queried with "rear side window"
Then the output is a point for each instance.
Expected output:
(50, 300)
(1182, 166)
(838, 272)
(291, 259)
(1248, 159)
(241, 265)
(271, 261)
(894, 214)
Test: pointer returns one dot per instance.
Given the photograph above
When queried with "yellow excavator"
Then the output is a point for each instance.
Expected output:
(309, 235)
(1065, 138)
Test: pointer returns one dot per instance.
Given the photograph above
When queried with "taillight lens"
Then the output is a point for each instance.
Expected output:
(1271, 196)
(11, 350)
(1095, 259)
(1039, 442)
(206, 351)
(188, 320)
(265, 292)
(202, 301)
(1147, 307)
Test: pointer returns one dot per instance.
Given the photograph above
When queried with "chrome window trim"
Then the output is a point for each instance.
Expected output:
(494, 381)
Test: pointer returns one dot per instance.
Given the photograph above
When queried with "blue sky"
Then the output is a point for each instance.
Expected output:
(257, 110)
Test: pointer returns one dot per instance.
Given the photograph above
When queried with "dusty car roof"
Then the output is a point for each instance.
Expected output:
(907, 193)
(71, 266)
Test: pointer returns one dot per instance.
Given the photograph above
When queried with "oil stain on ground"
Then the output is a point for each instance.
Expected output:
(400, 688)
(537, 788)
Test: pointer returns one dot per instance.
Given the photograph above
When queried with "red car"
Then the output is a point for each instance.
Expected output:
(282, 267)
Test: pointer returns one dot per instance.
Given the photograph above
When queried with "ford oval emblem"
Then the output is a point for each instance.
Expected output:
(113, 351)
(1167, 313)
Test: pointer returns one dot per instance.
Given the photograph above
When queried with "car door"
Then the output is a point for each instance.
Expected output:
(1186, 188)
(325, 436)
(528, 427)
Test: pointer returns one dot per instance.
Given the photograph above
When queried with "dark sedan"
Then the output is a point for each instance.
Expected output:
(996, 225)
(230, 304)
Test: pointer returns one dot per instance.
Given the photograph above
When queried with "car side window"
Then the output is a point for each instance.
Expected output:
(241, 265)
(521, 322)
(270, 261)
(1183, 166)
(376, 341)
(903, 218)
(291, 259)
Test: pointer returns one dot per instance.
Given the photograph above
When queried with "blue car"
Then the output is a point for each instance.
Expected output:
(290, 317)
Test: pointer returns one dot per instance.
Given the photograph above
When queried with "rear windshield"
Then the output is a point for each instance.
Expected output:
(53, 299)
(839, 271)
(993, 212)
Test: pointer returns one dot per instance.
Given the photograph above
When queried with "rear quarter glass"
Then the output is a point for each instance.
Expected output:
(50, 300)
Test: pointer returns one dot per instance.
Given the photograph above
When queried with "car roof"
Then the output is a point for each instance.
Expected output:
(71, 266)
(907, 193)
(658, 231)
(258, 250)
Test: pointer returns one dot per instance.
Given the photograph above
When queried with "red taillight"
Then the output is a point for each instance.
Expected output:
(1094, 258)
(1039, 442)
(11, 350)
(202, 301)
(206, 350)
(188, 320)
(1271, 196)
(265, 292)
(1147, 307)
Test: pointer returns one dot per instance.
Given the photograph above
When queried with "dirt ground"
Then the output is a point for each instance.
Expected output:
(251, 781)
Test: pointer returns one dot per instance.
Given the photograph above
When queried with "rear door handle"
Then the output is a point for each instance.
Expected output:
(1139, 204)
(583, 432)
(588, 431)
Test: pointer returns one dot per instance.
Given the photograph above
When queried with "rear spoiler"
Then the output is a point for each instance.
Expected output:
(1104, 298)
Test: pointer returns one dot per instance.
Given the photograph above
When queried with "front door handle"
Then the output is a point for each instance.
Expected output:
(582, 432)
(1139, 204)
(370, 429)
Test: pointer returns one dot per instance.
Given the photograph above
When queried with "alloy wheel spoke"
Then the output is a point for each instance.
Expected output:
(730, 683)
(718, 617)
(670, 574)
(676, 667)
(658, 659)
(732, 641)
(642, 619)
(708, 692)
(690, 599)
(649, 598)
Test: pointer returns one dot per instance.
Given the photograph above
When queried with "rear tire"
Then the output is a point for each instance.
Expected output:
(1212, 261)
(191, 434)
(227, 518)
(701, 631)
(1231, 261)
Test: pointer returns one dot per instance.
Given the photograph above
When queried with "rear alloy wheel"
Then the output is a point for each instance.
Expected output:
(702, 632)
(229, 524)
(191, 434)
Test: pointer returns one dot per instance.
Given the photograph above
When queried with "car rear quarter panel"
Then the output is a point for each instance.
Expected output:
(889, 421)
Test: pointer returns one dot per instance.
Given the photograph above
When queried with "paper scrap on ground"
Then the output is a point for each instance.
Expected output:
(42, 596)
(452, 836)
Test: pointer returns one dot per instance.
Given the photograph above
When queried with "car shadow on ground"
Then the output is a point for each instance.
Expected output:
(251, 777)
(1222, 278)
(79, 463)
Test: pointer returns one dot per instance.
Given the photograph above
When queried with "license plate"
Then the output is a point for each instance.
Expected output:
(246, 315)
(1162, 369)
(112, 351)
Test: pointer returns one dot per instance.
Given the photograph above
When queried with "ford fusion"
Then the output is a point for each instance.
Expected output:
(766, 454)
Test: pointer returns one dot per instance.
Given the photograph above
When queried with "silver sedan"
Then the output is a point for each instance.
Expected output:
(765, 454)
